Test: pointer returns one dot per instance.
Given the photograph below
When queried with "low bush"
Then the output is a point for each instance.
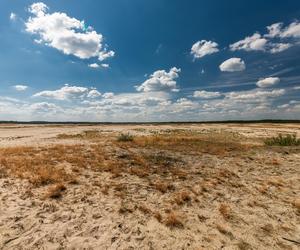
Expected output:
(283, 140)
(125, 137)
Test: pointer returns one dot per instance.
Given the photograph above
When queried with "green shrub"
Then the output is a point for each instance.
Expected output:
(283, 140)
(125, 137)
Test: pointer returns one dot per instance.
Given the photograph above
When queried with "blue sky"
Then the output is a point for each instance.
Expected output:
(132, 60)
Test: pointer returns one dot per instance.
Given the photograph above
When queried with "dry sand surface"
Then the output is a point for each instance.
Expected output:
(193, 186)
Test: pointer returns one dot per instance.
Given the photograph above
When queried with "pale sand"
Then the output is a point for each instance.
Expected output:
(85, 218)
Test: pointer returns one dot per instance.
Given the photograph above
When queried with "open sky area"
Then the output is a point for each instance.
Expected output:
(159, 60)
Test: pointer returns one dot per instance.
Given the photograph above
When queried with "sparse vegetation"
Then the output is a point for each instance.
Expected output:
(87, 134)
(55, 192)
(125, 137)
(225, 210)
(181, 179)
(192, 143)
(173, 219)
(283, 140)
(163, 187)
(182, 197)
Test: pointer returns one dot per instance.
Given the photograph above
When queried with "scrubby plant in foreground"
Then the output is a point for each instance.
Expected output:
(283, 140)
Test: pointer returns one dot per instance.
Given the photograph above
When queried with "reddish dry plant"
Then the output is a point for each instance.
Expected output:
(163, 187)
(157, 216)
(182, 197)
(55, 192)
(225, 210)
(173, 219)
(105, 189)
(146, 210)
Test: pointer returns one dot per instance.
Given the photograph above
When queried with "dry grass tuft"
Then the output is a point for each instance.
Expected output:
(55, 192)
(157, 216)
(182, 197)
(146, 210)
(125, 208)
(163, 187)
(225, 210)
(173, 219)
(243, 245)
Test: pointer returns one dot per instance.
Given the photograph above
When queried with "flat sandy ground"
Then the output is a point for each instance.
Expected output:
(194, 186)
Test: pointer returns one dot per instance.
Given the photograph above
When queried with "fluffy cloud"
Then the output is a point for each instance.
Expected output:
(277, 30)
(206, 94)
(250, 43)
(94, 65)
(267, 82)
(158, 106)
(104, 65)
(65, 93)
(287, 37)
(274, 30)
(20, 87)
(108, 95)
(94, 93)
(65, 33)
(256, 95)
(232, 65)
(44, 107)
(203, 48)
(161, 81)
(12, 16)
(279, 47)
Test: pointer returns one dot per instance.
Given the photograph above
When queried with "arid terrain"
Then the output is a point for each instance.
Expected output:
(177, 186)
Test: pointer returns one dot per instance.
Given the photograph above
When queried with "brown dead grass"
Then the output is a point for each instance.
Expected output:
(163, 187)
(87, 135)
(42, 166)
(145, 209)
(211, 144)
(182, 197)
(225, 211)
(55, 192)
(174, 219)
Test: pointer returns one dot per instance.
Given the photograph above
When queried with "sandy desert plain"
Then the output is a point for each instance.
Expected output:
(168, 186)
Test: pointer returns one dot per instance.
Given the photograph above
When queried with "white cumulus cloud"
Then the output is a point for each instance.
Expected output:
(292, 30)
(257, 95)
(12, 16)
(279, 47)
(250, 43)
(65, 93)
(94, 65)
(161, 80)
(278, 39)
(267, 82)
(203, 48)
(232, 65)
(66, 34)
(206, 94)
(20, 87)
(104, 65)
(44, 107)
(94, 93)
